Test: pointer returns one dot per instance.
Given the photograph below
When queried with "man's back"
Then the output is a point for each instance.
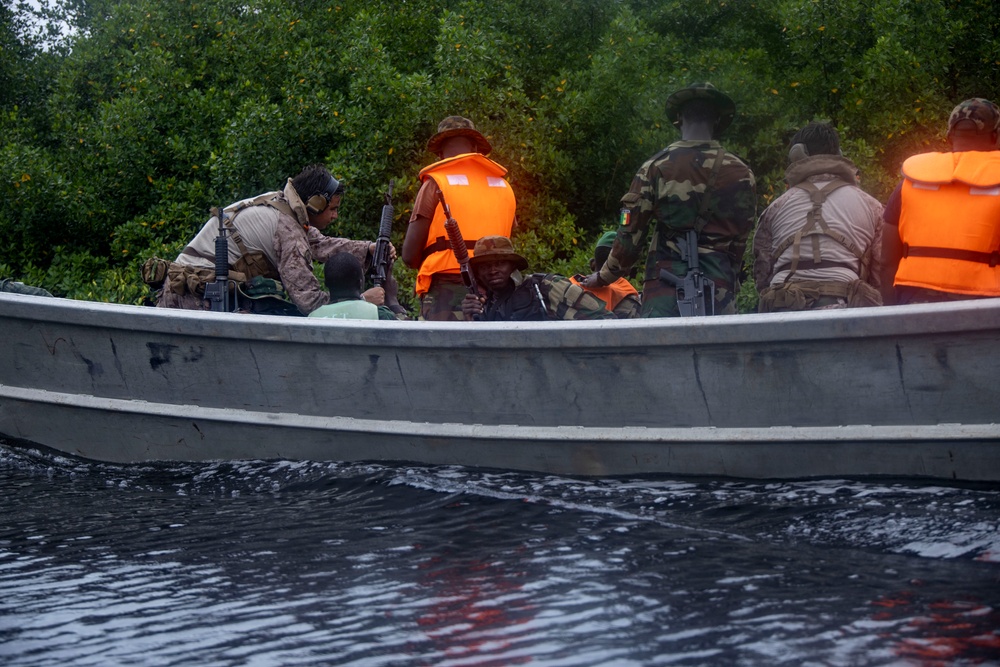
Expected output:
(824, 232)
(669, 194)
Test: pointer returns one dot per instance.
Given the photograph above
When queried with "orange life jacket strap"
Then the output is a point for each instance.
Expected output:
(991, 258)
(441, 243)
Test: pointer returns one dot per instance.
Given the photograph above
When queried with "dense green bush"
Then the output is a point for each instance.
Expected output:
(119, 136)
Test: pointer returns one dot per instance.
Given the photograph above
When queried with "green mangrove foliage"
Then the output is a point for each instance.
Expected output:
(120, 133)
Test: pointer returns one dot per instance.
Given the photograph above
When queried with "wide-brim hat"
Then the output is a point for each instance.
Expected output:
(496, 248)
(457, 126)
(702, 91)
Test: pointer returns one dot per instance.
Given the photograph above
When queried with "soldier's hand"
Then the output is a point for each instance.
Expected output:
(374, 295)
(593, 281)
(472, 305)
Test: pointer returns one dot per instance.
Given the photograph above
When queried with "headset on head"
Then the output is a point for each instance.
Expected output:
(318, 202)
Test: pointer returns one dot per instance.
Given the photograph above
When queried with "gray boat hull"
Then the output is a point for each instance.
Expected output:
(910, 391)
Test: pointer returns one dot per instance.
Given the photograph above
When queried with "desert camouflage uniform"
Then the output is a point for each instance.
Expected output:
(664, 202)
(289, 244)
(562, 301)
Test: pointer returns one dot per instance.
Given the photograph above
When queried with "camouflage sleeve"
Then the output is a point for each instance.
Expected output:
(291, 245)
(742, 211)
(763, 247)
(567, 301)
(875, 263)
(324, 247)
(634, 228)
(628, 308)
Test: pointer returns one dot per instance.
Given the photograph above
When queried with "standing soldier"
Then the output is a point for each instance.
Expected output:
(693, 184)
(479, 198)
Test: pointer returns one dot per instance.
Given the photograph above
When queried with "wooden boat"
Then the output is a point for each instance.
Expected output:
(895, 391)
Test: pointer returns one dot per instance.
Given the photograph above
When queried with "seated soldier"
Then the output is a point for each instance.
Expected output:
(621, 298)
(345, 278)
(817, 246)
(513, 297)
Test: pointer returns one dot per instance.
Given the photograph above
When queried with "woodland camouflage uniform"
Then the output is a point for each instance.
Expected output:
(667, 198)
(664, 202)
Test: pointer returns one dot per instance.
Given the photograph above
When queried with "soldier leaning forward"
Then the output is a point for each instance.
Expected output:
(277, 236)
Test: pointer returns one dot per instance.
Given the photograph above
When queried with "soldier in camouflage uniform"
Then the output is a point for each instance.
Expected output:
(514, 297)
(695, 184)
(280, 235)
(620, 297)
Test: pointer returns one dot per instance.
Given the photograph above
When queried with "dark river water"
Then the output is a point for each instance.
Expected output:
(308, 563)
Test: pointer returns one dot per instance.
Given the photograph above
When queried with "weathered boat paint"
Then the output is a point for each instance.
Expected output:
(910, 390)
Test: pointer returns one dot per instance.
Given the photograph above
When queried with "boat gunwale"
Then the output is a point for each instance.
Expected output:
(982, 315)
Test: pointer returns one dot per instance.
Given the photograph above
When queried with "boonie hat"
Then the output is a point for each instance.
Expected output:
(982, 112)
(702, 91)
(457, 126)
(496, 248)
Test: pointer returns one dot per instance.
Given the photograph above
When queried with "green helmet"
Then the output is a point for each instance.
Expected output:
(703, 91)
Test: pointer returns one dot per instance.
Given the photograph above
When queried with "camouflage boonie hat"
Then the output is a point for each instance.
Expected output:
(607, 240)
(702, 91)
(982, 112)
(496, 248)
(457, 126)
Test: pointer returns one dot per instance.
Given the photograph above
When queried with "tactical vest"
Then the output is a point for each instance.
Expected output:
(950, 223)
(480, 200)
(250, 264)
(814, 227)
(352, 309)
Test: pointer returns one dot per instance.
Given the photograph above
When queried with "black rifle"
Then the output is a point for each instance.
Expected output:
(381, 263)
(695, 292)
(217, 292)
(458, 247)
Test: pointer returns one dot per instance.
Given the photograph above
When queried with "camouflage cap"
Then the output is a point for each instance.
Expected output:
(982, 112)
(607, 240)
(495, 248)
(702, 91)
(457, 126)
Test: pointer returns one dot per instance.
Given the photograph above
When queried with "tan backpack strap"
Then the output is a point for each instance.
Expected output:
(814, 226)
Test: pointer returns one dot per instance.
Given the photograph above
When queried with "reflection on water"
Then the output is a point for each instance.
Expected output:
(278, 563)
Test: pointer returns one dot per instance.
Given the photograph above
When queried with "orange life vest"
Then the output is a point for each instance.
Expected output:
(480, 199)
(611, 294)
(950, 223)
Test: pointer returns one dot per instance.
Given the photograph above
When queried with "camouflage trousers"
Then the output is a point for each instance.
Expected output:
(443, 301)
(659, 299)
